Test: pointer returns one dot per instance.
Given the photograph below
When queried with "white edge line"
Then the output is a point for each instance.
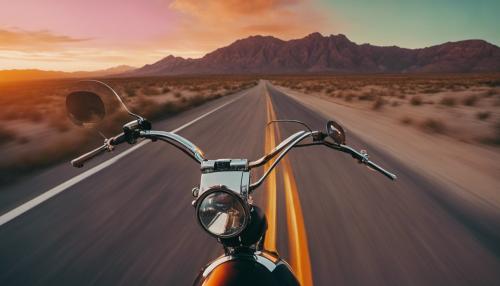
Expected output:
(12, 214)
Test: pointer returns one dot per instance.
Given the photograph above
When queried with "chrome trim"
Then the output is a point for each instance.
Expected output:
(186, 146)
(283, 152)
(261, 161)
(224, 189)
(255, 257)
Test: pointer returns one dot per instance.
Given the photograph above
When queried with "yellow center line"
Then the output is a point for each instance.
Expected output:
(298, 247)
(299, 250)
(270, 142)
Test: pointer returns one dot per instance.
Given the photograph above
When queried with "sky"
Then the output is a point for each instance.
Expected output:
(73, 35)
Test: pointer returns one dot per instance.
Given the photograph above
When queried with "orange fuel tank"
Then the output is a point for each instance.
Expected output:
(260, 268)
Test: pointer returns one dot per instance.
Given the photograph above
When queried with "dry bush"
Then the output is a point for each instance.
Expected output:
(197, 88)
(490, 92)
(416, 100)
(151, 90)
(470, 100)
(368, 96)
(348, 97)
(431, 90)
(177, 95)
(447, 101)
(406, 120)
(7, 135)
(483, 115)
(23, 140)
(130, 91)
(60, 124)
(378, 104)
(433, 126)
(495, 138)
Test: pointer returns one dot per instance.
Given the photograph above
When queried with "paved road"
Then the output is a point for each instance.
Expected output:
(132, 223)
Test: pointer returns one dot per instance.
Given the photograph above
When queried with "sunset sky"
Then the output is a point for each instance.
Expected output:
(74, 35)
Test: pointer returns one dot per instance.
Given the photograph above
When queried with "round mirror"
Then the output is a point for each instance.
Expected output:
(335, 131)
(85, 107)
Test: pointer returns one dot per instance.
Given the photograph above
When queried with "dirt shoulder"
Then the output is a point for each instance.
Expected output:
(471, 171)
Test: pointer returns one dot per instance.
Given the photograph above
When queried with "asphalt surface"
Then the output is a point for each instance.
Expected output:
(132, 223)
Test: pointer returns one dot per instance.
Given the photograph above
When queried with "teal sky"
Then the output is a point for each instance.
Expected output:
(416, 23)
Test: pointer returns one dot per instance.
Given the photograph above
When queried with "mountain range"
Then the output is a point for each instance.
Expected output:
(35, 74)
(316, 53)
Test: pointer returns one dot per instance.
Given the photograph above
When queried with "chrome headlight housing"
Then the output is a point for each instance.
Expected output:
(222, 212)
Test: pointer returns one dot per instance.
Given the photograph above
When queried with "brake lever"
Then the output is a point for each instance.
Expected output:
(362, 158)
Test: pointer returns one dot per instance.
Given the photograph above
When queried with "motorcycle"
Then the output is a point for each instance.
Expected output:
(223, 199)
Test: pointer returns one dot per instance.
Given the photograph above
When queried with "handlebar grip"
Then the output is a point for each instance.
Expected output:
(362, 158)
(381, 170)
(80, 161)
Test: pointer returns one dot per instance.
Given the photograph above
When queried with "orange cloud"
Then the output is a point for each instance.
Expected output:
(230, 8)
(16, 39)
(206, 25)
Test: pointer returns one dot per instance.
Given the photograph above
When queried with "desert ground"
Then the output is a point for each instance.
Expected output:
(446, 127)
(35, 131)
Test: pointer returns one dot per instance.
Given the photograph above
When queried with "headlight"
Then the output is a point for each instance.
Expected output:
(222, 213)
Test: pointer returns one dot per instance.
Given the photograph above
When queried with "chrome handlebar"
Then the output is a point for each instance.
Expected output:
(133, 130)
(177, 141)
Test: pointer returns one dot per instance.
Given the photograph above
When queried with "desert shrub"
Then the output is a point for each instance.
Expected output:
(367, 96)
(492, 83)
(197, 88)
(6, 135)
(395, 103)
(406, 120)
(348, 97)
(416, 100)
(151, 90)
(196, 100)
(10, 114)
(165, 89)
(23, 140)
(490, 92)
(177, 95)
(378, 104)
(168, 108)
(130, 91)
(483, 115)
(60, 124)
(431, 90)
(34, 116)
(447, 101)
(495, 138)
(470, 100)
(431, 125)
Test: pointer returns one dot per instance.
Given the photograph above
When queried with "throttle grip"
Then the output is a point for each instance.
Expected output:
(80, 161)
